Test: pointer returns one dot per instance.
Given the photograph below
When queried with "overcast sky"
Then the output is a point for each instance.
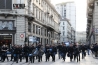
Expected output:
(80, 13)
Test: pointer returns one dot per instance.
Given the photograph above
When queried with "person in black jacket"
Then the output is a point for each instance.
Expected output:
(63, 51)
(88, 49)
(12, 52)
(0, 53)
(59, 50)
(4, 50)
(39, 56)
(16, 53)
(83, 49)
(95, 49)
(20, 54)
(53, 52)
(47, 52)
(26, 51)
(31, 57)
(76, 52)
(70, 51)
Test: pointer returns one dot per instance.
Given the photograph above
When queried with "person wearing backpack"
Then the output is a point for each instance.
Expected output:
(40, 52)
(31, 56)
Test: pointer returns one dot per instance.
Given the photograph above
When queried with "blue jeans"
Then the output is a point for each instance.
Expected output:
(88, 51)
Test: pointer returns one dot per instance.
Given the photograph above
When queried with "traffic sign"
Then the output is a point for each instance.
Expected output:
(22, 36)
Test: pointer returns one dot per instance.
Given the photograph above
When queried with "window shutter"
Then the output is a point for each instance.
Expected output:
(2, 4)
(8, 4)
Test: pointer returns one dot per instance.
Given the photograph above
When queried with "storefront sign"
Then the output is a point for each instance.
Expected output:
(4, 37)
(30, 38)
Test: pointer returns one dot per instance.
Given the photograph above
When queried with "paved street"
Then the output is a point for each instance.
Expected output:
(89, 60)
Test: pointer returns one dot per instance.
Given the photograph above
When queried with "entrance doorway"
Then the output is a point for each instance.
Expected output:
(5, 39)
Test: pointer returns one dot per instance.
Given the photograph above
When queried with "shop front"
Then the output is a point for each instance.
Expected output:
(7, 32)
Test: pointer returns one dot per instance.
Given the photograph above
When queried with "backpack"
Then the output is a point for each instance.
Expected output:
(41, 51)
(35, 52)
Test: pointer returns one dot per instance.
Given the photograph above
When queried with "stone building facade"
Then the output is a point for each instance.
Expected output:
(30, 21)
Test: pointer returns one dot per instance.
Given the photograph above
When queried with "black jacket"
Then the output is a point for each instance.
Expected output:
(63, 49)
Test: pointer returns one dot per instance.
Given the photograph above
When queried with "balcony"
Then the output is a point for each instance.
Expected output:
(30, 17)
(88, 26)
(89, 21)
(90, 18)
(7, 30)
(91, 4)
(87, 31)
(7, 11)
(49, 26)
(38, 21)
(90, 12)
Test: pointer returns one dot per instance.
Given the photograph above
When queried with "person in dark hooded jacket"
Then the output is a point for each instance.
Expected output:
(70, 51)
(76, 53)
(63, 51)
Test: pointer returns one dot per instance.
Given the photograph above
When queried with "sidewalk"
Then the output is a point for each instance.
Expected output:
(89, 60)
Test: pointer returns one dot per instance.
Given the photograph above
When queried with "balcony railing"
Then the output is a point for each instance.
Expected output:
(90, 12)
(50, 26)
(91, 3)
(8, 11)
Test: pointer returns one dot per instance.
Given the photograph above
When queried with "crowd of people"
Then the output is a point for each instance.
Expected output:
(32, 52)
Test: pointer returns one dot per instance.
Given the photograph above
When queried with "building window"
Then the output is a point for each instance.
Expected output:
(36, 0)
(39, 15)
(5, 4)
(63, 39)
(29, 27)
(36, 29)
(64, 13)
(63, 23)
(63, 28)
(63, 32)
(51, 34)
(39, 2)
(41, 31)
(33, 28)
(42, 16)
(97, 3)
(42, 3)
(45, 32)
(33, 9)
(8, 25)
(36, 12)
